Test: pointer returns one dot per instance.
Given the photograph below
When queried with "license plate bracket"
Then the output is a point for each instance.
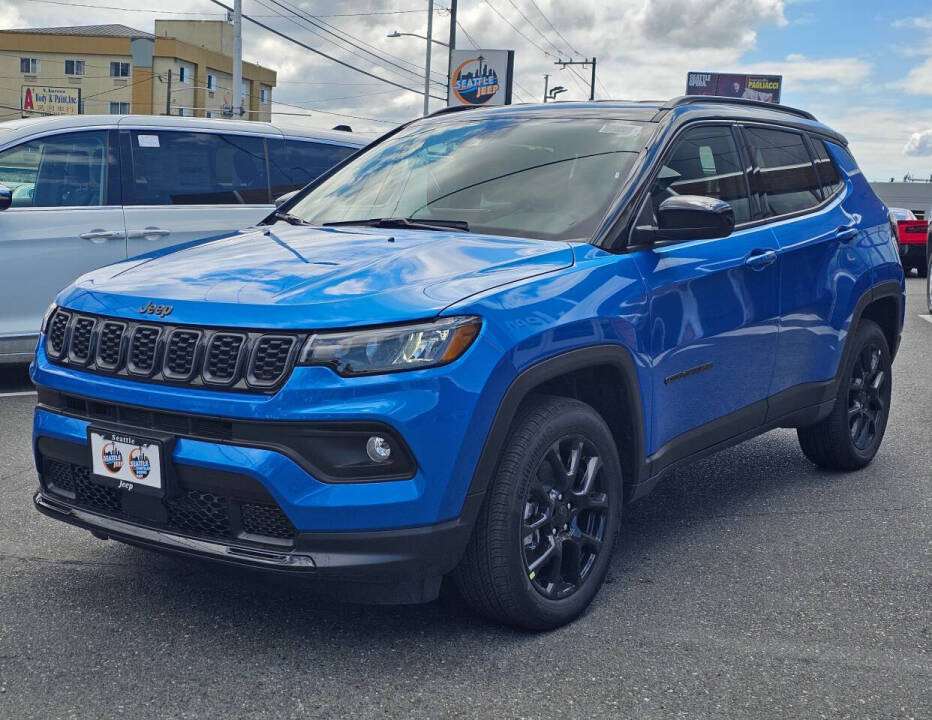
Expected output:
(129, 462)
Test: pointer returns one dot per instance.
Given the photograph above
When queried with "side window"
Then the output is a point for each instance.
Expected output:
(783, 176)
(182, 168)
(829, 174)
(703, 161)
(294, 163)
(58, 171)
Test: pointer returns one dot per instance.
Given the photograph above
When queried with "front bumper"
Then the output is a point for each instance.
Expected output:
(387, 566)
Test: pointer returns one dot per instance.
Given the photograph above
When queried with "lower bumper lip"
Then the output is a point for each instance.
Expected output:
(162, 540)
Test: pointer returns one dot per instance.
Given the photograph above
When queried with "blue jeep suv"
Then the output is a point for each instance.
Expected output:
(465, 350)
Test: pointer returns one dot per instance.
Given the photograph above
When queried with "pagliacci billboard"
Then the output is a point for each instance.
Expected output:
(480, 77)
(749, 87)
(50, 100)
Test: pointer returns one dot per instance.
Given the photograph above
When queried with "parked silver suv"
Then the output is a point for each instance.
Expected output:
(80, 192)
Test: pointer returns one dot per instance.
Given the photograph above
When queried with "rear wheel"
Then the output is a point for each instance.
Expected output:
(543, 540)
(921, 269)
(849, 438)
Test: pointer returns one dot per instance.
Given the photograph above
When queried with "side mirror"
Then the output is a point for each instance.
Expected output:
(6, 197)
(690, 217)
(282, 199)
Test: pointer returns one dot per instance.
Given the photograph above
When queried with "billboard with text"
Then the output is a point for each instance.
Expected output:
(750, 87)
(480, 77)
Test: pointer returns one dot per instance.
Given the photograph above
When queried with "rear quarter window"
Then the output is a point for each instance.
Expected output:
(829, 174)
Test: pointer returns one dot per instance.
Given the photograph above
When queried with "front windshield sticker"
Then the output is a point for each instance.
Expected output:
(148, 140)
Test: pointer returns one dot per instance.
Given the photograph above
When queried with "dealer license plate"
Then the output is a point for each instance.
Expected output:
(127, 462)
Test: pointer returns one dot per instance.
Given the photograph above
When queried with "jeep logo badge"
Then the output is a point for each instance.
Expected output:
(150, 308)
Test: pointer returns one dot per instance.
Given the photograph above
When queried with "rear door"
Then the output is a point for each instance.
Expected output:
(818, 237)
(65, 220)
(181, 186)
(714, 304)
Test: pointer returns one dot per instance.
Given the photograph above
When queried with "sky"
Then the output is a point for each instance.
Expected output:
(863, 67)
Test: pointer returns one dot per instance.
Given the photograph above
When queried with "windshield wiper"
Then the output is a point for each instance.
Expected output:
(413, 223)
(289, 218)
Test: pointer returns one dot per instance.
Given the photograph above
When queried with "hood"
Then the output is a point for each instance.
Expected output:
(286, 276)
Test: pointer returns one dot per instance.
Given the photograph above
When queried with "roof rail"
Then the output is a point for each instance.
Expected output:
(453, 108)
(743, 102)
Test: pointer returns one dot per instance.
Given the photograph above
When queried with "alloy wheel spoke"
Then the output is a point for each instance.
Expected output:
(554, 551)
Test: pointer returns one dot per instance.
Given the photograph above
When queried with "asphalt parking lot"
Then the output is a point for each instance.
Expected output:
(749, 585)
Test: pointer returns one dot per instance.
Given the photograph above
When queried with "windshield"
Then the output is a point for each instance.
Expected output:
(551, 178)
(902, 214)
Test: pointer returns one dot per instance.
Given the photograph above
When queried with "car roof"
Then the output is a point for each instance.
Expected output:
(12, 129)
(676, 110)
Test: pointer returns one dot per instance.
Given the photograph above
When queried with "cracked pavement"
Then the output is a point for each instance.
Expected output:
(749, 585)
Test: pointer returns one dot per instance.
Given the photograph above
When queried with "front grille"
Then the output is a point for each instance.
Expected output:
(181, 352)
(82, 335)
(110, 344)
(268, 521)
(192, 511)
(57, 328)
(223, 354)
(173, 354)
(270, 359)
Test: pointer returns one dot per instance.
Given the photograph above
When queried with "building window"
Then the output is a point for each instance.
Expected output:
(74, 67)
(264, 93)
(211, 82)
(208, 114)
(184, 75)
(119, 69)
(29, 66)
(244, 93)
(119, 108)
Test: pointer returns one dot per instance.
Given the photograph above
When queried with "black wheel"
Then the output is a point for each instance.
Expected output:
(544, 537)
(849, 438)
(921, 269)
(929, 282)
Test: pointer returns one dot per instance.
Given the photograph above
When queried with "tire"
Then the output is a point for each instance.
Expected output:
(511, 571)
(850, 436)
(929, 281)
(921, 269)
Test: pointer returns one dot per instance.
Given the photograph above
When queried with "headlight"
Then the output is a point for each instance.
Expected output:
(391, 349)
(49, 311)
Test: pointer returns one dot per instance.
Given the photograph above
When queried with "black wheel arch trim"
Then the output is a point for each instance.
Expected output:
(616, 356)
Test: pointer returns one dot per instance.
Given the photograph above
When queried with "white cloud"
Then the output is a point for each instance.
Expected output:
(919, 144)
(918, 81)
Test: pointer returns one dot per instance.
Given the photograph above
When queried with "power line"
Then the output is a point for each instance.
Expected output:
(181, 12)
(553, 27)
(528, 21)
(311, 20)
(325, 55)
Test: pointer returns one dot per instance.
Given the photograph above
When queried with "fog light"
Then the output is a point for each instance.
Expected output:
(378, 449)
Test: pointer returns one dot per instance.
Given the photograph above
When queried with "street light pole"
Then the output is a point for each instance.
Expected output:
(452, 46)
(430, 27)
(546, 86)
(237, 101)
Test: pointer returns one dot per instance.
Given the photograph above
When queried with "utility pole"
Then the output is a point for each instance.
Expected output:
(237, 100)
(546, 86)
(584, 63)
(168, 95)
(430, 28)
(452, 45)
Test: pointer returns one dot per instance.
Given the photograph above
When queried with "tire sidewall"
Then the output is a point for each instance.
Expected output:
(576, 419)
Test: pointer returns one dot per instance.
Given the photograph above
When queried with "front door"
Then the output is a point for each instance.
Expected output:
(181, 186)
(714, 305)
(65, 220)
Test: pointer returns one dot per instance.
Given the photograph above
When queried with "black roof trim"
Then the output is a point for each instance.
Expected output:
(740, 102)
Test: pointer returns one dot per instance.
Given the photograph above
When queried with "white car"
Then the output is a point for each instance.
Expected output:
(79, 192)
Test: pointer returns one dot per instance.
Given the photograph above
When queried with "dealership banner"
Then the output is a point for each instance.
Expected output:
(480, 77)
(51, 100)
(749, 87)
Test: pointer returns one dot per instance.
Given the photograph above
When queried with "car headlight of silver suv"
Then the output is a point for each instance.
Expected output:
(392, 349)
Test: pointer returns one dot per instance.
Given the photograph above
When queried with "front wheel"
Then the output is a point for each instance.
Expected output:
(849, 438)
(543, 540)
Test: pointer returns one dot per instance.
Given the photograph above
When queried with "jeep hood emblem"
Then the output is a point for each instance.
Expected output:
(150, 308)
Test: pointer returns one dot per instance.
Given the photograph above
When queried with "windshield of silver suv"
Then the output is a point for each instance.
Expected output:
(550, 178)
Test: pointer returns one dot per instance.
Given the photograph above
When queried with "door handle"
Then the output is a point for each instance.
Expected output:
(846, 232)
(759, 259)
(150, 233)
(99, 235)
